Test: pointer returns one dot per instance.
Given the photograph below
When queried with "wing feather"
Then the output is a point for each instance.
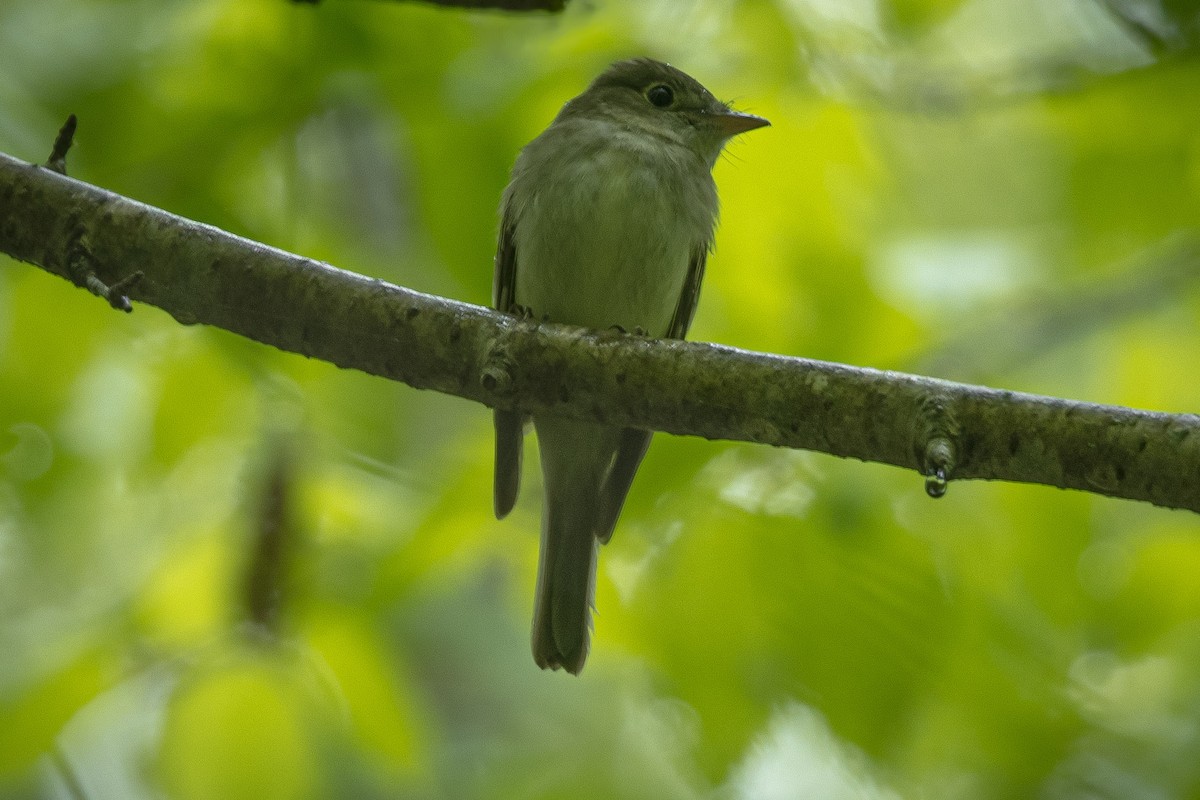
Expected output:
(509, 425)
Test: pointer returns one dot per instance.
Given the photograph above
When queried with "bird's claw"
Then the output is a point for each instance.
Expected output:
(521, 312)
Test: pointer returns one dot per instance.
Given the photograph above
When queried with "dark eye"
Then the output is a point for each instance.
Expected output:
(660, 95)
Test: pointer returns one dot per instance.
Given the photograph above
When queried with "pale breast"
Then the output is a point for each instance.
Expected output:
(607, 235)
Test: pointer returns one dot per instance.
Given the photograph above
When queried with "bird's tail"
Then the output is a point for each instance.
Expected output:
(576, 459)
(566, 586)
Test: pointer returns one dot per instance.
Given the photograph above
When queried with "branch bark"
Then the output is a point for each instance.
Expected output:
(503, 5)
(506, 5)
(944, 430)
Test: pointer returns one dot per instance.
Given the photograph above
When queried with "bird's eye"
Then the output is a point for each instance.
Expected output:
(660, 95)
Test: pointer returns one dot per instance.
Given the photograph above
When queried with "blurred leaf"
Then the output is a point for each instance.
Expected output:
(240, 732)
(34, 716)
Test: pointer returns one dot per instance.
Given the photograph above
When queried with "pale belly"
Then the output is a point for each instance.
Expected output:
(604, 246)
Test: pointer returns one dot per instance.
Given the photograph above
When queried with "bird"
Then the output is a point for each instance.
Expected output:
(607, 222)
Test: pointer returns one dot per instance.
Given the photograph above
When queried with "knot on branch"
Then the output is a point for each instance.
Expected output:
(936, 446)
(81, 266)
(496, 375)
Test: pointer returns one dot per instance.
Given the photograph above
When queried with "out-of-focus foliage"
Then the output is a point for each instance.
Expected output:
(948, 185)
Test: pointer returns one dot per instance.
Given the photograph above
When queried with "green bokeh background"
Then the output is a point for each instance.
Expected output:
(984, 190)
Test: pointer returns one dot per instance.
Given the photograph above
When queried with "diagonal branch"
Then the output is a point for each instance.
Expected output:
(945, 430)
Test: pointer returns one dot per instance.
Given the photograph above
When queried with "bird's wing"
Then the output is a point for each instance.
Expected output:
(634, 442)
(504, 278)
(510, 425)
(690, 296)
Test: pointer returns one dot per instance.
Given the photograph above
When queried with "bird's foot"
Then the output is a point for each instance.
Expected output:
(521, 312)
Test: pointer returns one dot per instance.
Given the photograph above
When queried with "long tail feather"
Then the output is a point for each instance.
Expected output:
(576, 459)
(562, 618)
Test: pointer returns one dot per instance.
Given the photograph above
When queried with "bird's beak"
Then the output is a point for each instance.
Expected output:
(731, 123)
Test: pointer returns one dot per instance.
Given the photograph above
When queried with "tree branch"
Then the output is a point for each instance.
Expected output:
(944, 430)
(504, 5)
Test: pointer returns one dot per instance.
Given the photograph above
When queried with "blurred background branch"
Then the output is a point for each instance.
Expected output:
(504, 5)
(998, 342)
(1059, 53)
(274, 537)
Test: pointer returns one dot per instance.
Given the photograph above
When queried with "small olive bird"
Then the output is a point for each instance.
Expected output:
(606, 223)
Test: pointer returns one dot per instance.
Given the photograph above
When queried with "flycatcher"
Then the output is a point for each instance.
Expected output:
(607, 222)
